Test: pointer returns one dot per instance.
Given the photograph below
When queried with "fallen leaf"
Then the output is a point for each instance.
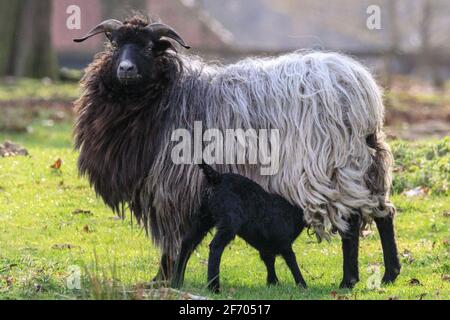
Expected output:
(445, 277)
(414, 282)
(446, 214)
(421, 296)
(333, 294)
(9, 149)
(407, 256)
(419, 191)
(81, 211)
(86, 228)
(57, 165)
(63, 246)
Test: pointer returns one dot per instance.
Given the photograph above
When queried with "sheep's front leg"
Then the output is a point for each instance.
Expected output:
(392, 265)
(350, 247)
(166, 267)
(189, 244)
(218, 244)
(269, 261)
(291, 261)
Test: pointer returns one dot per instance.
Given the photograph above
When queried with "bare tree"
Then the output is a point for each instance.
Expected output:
(26, 47)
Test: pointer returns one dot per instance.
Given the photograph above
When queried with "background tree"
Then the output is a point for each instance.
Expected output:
(119, 9)
(25, 45)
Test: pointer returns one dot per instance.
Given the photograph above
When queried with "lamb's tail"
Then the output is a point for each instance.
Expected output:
(212, 176)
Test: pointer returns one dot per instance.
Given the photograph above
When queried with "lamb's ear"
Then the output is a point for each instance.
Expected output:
(106, 27)
(161, 46)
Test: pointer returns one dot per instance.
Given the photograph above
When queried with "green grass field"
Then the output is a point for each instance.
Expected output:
(43, 234)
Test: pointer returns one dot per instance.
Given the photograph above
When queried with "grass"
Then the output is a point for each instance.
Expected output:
(43, 234)
(25, 89)
(51, 222)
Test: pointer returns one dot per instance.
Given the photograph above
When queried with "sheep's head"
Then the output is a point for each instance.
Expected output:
(135, 47)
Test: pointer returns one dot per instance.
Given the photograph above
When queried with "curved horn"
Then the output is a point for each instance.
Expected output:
(162, 30)
(106, 26)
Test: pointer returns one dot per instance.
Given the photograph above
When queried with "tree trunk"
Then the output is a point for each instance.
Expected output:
(9, 24)
(28, 50)
(120, 9)
(394, 39)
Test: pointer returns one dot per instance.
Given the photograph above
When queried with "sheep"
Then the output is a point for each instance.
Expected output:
(334, 161)
(236, 205)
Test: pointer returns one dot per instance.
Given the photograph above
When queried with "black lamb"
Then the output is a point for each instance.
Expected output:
(236, 205)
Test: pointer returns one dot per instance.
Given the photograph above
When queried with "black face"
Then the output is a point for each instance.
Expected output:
(134, 56)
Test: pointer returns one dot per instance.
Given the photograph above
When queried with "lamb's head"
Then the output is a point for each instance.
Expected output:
(135, 52)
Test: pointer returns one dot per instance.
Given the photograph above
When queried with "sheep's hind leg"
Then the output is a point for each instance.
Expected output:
(350, 247)
(269, 261)
(221, 240)
(291, 261)
(385, 227)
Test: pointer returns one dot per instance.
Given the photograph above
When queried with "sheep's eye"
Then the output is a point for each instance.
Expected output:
(148, 49)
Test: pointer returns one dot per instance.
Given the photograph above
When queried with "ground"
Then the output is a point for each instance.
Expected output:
(52, 224)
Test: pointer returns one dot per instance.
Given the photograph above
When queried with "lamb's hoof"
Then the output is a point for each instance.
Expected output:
(272, 282)
(390, 277)
(302, 285)
(348, 283)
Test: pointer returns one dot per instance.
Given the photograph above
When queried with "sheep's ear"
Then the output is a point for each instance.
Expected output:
(161, 46)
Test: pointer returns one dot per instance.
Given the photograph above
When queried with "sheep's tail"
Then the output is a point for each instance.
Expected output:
(212, 176)
(378, 177)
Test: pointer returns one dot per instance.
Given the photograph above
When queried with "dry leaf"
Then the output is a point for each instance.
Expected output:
(57, 165)
(9, 149)
(63, 246)
(414, 282)
(445, 277)
(421, 296)
(419, 191)
(407, 256)
(81, 211)
(86, 228)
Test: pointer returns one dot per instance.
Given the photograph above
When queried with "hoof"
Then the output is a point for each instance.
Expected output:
(390, 277)
(348, 283)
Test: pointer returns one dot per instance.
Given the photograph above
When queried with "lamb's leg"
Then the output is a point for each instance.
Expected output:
(269, 261)
(392, 265)
(190, 242)
(221, 240)
(291, 261)
(350, 246)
